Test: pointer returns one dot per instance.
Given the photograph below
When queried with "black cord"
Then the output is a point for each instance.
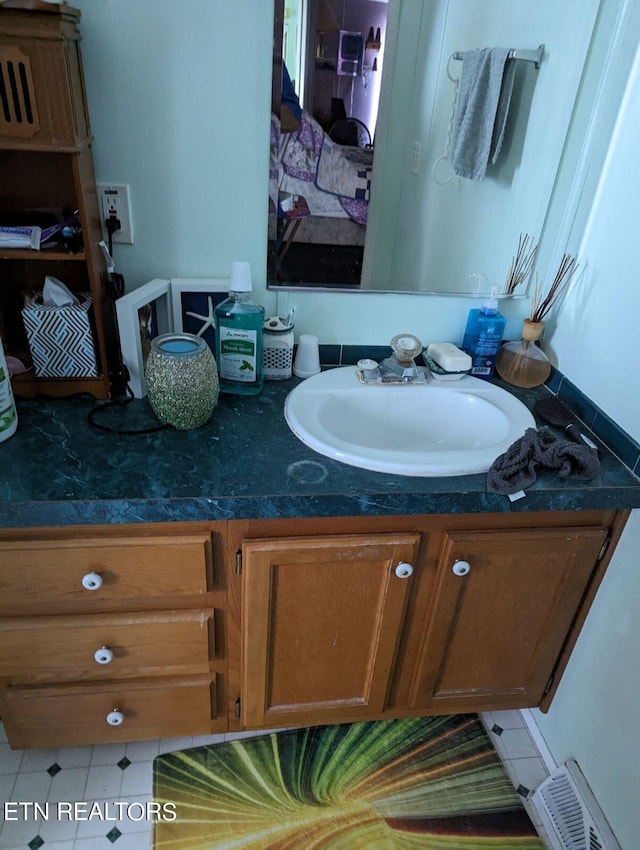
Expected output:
(115, 285)
(124, 431)
(116, 290)
(113, 225)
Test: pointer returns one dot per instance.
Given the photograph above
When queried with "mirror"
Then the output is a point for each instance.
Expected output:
(424, 229)
(330, 54)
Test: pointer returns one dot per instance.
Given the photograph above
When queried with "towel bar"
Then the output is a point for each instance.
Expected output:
(534, 56)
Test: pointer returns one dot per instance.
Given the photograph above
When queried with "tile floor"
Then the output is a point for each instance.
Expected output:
(123, 773)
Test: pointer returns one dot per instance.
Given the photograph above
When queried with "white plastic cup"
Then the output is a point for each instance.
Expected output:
(307, 360)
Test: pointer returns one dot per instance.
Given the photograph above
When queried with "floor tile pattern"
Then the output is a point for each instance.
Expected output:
(110, 774)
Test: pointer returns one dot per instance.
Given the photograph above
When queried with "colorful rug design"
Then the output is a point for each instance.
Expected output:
(432, 783)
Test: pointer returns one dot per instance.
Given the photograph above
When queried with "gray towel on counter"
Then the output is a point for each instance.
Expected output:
(484, 95)
(517, 467)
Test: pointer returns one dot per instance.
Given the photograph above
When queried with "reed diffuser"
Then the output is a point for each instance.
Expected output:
(521, 264)
(524, 363)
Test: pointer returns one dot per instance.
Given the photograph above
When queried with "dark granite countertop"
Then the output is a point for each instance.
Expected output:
(244, 463)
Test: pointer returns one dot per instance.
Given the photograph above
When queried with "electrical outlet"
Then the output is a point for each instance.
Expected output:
(415, 157)
(115, 201)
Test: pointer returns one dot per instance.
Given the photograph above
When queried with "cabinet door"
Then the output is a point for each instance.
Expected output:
(43, 98)
(321, 618)
(497, 629)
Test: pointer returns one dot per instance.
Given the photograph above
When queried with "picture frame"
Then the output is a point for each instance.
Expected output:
(142, 315)
(193, 301)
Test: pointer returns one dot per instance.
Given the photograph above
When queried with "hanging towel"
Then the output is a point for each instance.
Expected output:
(484, 95)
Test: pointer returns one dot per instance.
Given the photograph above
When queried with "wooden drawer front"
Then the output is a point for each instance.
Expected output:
(80, 647)
(77, 714)
(49, 571)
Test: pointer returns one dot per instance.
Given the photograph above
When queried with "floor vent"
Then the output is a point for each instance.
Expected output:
(570, 813)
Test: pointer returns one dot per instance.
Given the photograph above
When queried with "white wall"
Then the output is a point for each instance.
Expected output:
(594, 716)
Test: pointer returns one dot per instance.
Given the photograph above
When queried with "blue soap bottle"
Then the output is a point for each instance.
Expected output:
(483, 335)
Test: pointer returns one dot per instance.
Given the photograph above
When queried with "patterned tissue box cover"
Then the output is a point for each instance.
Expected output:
(60, 338)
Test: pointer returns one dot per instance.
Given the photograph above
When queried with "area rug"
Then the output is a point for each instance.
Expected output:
(417, 784)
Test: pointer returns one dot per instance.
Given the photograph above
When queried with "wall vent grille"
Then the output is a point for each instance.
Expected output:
(570, 813)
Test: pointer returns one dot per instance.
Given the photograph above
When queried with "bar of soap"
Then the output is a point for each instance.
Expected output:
(449, 357)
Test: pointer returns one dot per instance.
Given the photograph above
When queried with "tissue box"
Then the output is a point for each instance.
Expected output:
(60, 338)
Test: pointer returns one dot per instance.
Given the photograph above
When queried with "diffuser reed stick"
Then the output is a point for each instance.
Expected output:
(521, 264)
(541, 306)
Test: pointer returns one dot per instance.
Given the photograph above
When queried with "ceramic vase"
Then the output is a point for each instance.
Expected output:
(182, 380)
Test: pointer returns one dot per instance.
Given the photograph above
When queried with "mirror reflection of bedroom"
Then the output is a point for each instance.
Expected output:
(327, 69)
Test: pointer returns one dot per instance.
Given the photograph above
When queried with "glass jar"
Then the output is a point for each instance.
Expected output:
(182, 380)
(523, 363)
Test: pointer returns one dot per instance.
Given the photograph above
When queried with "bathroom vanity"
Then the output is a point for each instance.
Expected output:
(154, 587)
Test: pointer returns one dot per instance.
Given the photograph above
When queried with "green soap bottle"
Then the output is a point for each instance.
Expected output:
(238, 323)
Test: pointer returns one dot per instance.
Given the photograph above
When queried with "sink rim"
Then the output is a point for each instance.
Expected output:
(305, 399)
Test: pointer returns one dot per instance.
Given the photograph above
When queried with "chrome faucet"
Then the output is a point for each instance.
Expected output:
(400, 367)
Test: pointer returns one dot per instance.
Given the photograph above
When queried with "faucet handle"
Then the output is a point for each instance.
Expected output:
(406, 347)
(368, 370)
(410, 374)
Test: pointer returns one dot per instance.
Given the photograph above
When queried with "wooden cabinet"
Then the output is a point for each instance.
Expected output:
(190, 628)
(321, 620)
(128, 622)
(46, 169)
(329, 633)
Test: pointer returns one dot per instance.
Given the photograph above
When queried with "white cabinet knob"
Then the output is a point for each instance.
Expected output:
(103, 655)
(115, 717)
(404, 570)
(461, 568)
(92, 581)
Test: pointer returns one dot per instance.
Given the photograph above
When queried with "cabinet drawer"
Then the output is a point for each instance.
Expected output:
(52, 571)
(77, 714)
(106, 646)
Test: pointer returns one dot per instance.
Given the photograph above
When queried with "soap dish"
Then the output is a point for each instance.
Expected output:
(441, 374)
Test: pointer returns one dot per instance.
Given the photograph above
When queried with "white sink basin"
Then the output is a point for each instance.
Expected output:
(406, 429)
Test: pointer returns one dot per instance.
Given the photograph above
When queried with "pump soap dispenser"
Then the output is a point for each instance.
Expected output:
(483, 335)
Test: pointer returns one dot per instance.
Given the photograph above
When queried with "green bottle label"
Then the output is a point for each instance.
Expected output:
(238, 354)
(7, 407)
(7, 418)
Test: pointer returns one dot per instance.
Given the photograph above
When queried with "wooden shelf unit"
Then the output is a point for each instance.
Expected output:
(46, 164)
